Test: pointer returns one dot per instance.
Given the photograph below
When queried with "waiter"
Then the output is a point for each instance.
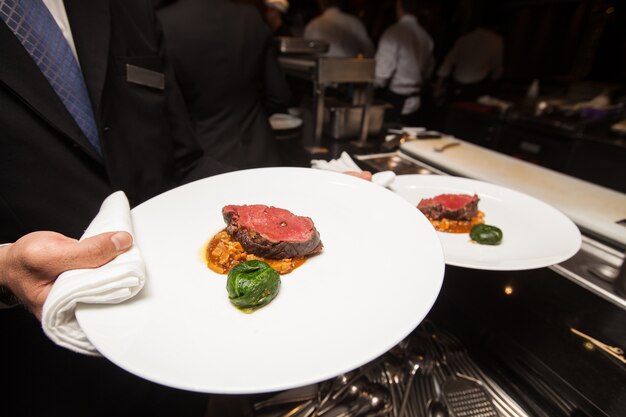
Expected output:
(89, 106)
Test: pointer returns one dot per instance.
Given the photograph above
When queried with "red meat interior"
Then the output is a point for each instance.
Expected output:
(449, 201)
(273, 223)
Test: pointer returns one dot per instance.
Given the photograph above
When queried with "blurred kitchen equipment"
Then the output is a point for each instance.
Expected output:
(343, 120)
(293, 45)
(394, 141)
(285, 126)
(416, 364)
(465, 397)
(620, 279)
(436, 408)
(619, 127)
(397, 162)
(282, 121)
(614, 351)
(443, 147)
(533, 90)
(372, 397)
(296, 395)
(324, 72)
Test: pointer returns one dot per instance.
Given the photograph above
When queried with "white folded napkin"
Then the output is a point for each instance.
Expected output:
(112, 283)
(345, 163)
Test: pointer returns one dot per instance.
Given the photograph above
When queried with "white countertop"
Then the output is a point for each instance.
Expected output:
(590, 206)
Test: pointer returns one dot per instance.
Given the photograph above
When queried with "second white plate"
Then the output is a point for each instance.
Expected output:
(535, 234)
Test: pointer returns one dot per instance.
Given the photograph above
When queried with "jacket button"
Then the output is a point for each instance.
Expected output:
(106, 128)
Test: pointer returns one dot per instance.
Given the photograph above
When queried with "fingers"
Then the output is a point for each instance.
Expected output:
(97, 250)
(49, 254)
(366, 175)
(30, 266)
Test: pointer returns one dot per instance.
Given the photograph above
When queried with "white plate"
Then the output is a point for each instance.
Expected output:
(282, 121)
(535, 234)
(378, 276)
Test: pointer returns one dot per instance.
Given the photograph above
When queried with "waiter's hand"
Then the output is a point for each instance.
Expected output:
(365, 175)
(29, 267)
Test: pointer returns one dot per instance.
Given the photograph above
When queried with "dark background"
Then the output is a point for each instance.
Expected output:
(575, 49)
(553, 40)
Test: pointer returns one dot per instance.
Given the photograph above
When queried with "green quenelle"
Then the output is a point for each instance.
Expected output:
(252, 284)
(486, 234)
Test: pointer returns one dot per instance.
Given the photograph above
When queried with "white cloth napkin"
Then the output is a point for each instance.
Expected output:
(345, 163)
(112, 283)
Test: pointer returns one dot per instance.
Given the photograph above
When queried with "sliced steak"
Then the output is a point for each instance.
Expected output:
(271, 232)
(450, 206)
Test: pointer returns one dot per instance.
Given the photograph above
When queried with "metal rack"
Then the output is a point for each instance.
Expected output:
(327, 71)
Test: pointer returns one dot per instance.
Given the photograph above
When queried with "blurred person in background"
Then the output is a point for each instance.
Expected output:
(404, 63)
(345, 33)
(274, 13)
(228, 71)
(473, 64)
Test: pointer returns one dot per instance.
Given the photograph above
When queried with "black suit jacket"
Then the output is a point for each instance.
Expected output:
(227, 68)
(51, 179)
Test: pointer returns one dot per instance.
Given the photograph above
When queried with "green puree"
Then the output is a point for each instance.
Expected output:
(486, 234)
(252, 284)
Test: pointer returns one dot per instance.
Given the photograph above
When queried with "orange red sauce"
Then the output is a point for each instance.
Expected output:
(223, 253)
(458, 226)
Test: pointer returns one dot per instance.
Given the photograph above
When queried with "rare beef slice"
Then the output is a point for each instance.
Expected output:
(271, 232)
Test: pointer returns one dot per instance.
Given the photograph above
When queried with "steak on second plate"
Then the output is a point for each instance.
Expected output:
(271, 232)
(450, 206)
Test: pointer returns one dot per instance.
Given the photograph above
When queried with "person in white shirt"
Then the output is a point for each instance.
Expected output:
(345, 33)
(473, 63)
(404, 62)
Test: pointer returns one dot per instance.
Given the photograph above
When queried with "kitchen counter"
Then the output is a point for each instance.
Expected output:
(595, 209)
(579, 147)
(568, 128)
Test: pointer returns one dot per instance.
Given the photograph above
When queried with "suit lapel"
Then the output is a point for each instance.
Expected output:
(21, 75)
(91, 24)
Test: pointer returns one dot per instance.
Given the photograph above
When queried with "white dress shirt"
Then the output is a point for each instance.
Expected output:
(57, 9)
(474, 57)
(345, 33)
(404, 60)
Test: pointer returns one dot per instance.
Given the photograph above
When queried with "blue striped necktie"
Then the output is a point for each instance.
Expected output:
(34, 26)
